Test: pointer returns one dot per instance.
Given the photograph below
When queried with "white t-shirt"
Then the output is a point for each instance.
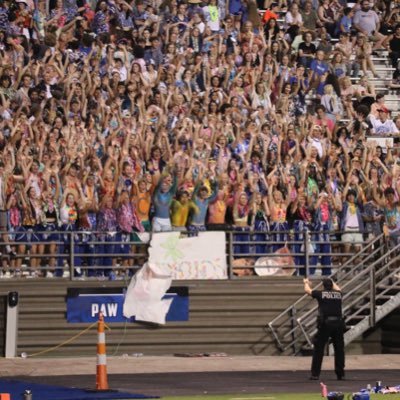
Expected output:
(212, 17)
(290, 19)
(318, 145)
(351, 220)
(383, 128)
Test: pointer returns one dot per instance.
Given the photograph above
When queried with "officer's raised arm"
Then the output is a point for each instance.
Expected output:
(336, 287)
(307, 286)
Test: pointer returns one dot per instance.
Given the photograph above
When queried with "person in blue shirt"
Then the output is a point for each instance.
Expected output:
(201, 200)
(162, 198)
(346, 22)
(318, 65)
(319, 71)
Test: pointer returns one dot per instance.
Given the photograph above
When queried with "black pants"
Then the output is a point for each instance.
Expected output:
(394, 56)
(334, 330)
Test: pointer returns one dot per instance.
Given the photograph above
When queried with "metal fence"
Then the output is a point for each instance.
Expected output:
(81, 254)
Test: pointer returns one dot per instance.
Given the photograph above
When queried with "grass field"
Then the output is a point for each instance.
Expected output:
(280, 396)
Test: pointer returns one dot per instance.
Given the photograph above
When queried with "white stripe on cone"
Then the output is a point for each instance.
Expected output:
(101, 337)
(101, 359)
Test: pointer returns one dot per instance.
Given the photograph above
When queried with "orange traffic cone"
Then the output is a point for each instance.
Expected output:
(4, 396)
(101, 373)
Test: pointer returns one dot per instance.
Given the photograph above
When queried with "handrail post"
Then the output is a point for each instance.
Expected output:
(230, 255)
(372, 296)
(293, 323)
(71, 256)
(306, 256)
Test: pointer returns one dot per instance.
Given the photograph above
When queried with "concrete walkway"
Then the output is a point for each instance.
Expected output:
(148, 364)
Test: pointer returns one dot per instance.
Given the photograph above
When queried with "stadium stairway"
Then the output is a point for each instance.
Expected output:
(225, 316)
(371, 291)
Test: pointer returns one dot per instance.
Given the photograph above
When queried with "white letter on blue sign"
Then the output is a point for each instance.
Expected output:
(95, 309)
(112, 309)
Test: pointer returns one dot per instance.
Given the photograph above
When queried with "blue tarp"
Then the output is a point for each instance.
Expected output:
(49, 392)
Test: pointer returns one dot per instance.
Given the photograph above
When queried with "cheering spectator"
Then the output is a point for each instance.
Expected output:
(121, 118)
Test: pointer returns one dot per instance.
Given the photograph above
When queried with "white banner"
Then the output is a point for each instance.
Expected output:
(199, 257)
(172, 257)
(143, 299)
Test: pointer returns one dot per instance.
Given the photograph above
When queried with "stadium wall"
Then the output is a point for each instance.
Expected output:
(225, 316)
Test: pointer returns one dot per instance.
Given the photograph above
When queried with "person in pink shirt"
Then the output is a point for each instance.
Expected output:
(323, 121)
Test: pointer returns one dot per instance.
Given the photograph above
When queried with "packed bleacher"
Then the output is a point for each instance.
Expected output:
(122, 118)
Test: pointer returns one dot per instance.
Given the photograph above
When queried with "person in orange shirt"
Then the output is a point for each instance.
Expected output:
(272, 12)
(141, 200)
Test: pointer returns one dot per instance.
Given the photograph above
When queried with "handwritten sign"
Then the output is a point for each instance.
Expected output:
(199, 257)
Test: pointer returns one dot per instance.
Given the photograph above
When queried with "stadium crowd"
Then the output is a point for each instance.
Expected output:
(124, 117)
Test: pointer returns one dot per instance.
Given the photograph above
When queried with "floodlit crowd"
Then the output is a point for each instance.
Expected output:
(119, 118)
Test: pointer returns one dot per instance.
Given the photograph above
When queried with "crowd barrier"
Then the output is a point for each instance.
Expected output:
(80, 255)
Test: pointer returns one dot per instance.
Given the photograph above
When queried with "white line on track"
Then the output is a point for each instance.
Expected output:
(252, 398)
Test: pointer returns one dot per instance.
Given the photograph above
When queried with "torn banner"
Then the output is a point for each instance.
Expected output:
(170, 257)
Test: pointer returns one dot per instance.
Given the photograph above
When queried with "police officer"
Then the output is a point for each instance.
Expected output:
(330, 325)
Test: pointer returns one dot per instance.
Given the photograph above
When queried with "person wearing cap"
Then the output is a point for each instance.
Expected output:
(330, 324)
(383, 125)
(23, 19)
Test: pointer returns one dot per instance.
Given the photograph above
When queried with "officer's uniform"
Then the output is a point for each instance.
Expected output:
(330, 325)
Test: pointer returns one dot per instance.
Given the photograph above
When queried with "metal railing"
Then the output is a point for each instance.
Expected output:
(368, 283)
(307, 252)
(86, 250)
(82, 253)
